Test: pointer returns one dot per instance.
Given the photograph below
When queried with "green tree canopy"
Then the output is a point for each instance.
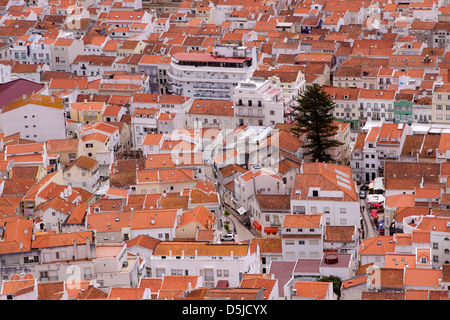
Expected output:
(313, 117)
(337, 283)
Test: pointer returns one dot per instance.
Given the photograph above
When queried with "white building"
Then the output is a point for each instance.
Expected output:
(256, 180)
(213, 262)
(164, 102)
(377, 104)
(211, 76)
(37, 117)
(382, 143)
(143, 121)
(158, 224)
(328, 189)
(435, 235)
(63, 53)
(258, 102)
(302, 236)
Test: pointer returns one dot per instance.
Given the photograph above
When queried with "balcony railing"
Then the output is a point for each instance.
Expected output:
(203, 87)
(251, 115)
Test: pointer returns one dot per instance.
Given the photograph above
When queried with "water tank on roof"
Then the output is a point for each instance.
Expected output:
(331, 259)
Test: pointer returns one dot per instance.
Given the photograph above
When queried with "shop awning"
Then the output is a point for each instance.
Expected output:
(270, 230)
(257, 225)
(378, 184)
(375, 198)
(241, 210)
(374, 214)
(376, 204)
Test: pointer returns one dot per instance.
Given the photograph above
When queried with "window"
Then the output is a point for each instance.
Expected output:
(87, 273)
(301, 242)
(31, 259)
(208, 275)
(315, 193)
(160, 272)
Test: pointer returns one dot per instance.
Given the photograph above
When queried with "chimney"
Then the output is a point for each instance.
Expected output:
(75, 253)
(88, 248)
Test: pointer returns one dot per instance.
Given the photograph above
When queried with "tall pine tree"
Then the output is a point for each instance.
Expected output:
(313, 117)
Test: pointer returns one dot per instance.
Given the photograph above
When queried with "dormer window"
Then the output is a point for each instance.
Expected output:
(315, 193)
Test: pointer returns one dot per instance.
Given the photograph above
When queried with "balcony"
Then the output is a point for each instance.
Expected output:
(212, 96)
(211, 88)
(220, 77)
(89, 118)
(388, 156)
(251, 116)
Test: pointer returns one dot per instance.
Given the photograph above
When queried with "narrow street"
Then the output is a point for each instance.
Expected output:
(237, 225)
(369, 226)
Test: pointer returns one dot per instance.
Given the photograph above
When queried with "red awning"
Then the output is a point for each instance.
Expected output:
(376, 204)
(374, 214)
(257, 225)
(270, 230)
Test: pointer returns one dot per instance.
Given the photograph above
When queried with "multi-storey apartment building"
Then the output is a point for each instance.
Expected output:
(347, 107)
(440, 110)
(213, 262)
(328, 189)
(211, 75)
(63, 53)
(302, 236)
(258, 102)
(377, 104)
(372, 149)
